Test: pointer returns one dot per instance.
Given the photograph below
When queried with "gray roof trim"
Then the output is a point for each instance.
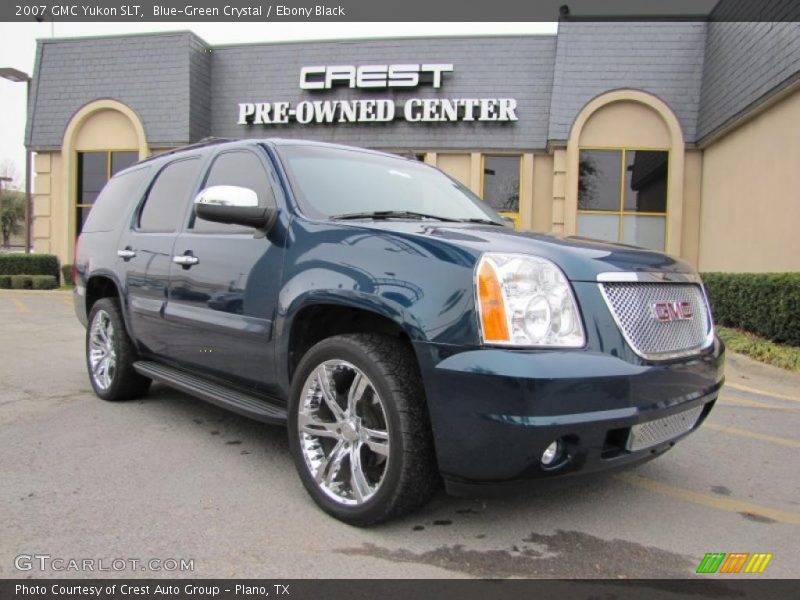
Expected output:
(391, 38)
(90, 38)
(752, 110)
(34, 91)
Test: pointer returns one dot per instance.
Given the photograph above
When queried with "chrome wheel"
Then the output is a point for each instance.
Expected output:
(102, 355)
(344, 436)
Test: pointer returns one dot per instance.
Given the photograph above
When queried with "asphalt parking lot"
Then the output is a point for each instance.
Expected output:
(172, 477)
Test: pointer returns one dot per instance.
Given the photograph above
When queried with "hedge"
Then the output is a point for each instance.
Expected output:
(29, 264)
(767, 304)
(22, 282)
(28, 282)
(44, 282)
(66, 275)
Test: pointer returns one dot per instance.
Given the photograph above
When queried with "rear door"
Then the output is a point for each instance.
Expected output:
(147, 250)
(222, 303)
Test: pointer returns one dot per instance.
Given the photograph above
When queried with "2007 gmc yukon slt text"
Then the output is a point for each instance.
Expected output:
(402, 331)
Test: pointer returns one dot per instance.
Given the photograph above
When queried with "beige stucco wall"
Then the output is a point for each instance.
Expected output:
(542, 193)
(101, 125)
(48, 214)
(692, 194)
(625, 123)
(751, 194)
(458, 166)
(629, 119)
(106, 129)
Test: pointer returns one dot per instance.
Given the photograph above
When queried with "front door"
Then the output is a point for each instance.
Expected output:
(224, 296)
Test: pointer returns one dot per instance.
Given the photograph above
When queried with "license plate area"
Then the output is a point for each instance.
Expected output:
(657, 431)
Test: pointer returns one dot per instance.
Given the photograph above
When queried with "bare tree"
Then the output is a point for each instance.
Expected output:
(12, 202)
(10, 177)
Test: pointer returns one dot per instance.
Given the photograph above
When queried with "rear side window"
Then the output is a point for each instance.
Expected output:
(168, 196)
(114, 199)
(241, 168)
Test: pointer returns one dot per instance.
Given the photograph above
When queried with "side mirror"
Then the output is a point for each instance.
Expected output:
(233, 204)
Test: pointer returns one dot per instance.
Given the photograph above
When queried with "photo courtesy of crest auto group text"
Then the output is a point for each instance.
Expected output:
(430, 300)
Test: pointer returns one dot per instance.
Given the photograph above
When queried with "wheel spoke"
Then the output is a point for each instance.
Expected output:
(330, 465)
(98, 365)
(100, 352)
(358, 480)
(310, 425)
(323, 380)
(358, 386)
(377, 440)
(106, 374)
(354, 420)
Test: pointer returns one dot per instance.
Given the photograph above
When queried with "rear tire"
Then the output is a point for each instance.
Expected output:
(362, 442)
(110, 354)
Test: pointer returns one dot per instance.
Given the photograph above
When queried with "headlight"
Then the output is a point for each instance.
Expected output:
(526, 301)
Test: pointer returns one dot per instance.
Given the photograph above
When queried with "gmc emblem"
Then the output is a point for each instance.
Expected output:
(672, 311)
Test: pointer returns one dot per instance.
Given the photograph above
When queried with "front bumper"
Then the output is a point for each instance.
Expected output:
(494, 411)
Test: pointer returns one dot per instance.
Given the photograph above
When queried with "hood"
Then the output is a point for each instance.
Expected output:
(581, 259)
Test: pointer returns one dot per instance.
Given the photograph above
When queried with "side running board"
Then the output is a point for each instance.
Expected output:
(238, 402)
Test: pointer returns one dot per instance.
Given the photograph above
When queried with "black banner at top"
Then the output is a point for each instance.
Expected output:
(407, 10)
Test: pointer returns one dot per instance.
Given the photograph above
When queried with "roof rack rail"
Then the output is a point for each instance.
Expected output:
(206, 141)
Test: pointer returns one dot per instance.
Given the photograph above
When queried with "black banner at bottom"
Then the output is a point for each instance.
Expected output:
(390, 589)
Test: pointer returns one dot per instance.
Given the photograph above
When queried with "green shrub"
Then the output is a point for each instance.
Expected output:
(44, 282)
(767, 304)
(66, 275)
(5, 282)
(29, 264)
(21, 282)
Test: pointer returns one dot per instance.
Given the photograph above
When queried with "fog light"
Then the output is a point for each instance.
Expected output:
(551, 453)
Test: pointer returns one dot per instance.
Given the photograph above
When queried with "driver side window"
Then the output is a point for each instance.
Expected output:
(241, 168)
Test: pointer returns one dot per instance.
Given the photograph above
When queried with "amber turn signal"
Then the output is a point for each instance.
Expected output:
(492, 305)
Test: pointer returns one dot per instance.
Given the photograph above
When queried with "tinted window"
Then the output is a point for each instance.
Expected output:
(94, 170)
(646, 181)
(92, 175)
(168, 196)
(242, 169)
(112, 202)
(622, 196)
(501, 182)
(600, 173)
(122, 160)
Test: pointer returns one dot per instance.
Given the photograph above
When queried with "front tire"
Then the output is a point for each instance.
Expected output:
(110, 354)
(359, 430)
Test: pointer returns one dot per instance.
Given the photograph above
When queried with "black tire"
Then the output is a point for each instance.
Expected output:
(124, 383)
(410, 476)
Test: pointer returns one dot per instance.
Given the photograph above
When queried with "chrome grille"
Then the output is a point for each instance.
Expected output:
(632, 305)
(654, 432)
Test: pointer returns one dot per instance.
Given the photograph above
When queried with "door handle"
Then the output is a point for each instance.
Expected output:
(126, 253)
(185, 260)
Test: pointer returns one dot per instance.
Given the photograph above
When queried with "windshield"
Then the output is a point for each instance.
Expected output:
(338, 182)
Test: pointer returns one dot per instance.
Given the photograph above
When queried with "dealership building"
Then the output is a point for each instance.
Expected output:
(679, 136)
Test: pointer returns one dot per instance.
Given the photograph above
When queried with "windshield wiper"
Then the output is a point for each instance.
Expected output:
(389, 214)
(485, 221)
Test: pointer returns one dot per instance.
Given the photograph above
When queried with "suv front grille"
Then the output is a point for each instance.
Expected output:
(635, 305)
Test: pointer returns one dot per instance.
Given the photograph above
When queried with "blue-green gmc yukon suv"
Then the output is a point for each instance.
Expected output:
(399, 328)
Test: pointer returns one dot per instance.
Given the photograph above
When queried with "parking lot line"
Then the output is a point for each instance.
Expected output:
(772, 439)
(749, 390)
(21, 306)
(726, 504)
(755, 404)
